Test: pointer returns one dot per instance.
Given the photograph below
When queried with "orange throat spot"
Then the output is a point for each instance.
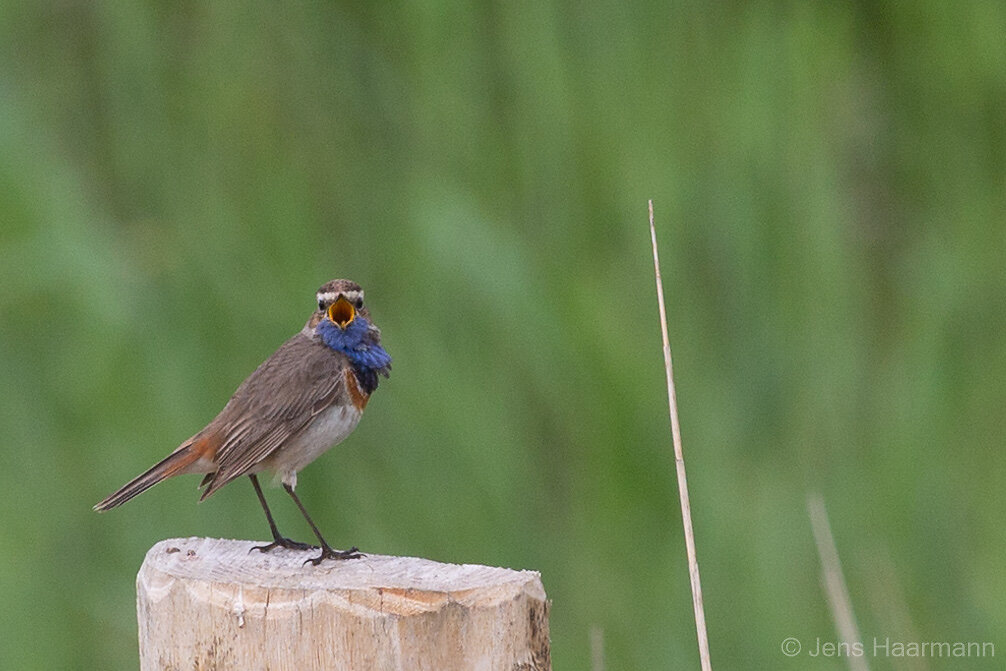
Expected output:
(355, 393)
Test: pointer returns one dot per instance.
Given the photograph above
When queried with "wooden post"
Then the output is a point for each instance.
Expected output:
(211, 604)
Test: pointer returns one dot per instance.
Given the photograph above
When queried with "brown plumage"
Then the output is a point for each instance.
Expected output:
(300, 401)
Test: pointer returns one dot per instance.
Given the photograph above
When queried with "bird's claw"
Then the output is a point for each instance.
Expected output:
(284, 543)
(329, 553)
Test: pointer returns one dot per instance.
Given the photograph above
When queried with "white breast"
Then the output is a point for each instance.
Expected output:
(329, 428)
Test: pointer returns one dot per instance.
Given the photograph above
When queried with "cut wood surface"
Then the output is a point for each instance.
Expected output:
(212, 604)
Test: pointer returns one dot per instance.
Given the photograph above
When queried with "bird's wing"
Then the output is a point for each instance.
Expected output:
(277, 401)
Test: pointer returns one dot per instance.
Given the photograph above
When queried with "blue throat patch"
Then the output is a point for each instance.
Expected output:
(353, 341)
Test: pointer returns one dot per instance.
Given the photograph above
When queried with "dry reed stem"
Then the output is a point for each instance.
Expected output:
(834, 582)
(679, 462)
(596, 648)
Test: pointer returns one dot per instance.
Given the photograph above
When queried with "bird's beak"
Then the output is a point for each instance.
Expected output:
(342, 313)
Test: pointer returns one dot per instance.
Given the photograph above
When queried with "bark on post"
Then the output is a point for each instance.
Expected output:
(211, 604)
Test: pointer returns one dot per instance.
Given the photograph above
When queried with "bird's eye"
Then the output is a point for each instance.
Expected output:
(358, 303)
(321, 305)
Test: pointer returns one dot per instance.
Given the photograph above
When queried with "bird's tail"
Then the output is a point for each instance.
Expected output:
(175, 463)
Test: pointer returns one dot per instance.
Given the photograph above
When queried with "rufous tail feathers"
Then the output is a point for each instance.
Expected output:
(175, 463)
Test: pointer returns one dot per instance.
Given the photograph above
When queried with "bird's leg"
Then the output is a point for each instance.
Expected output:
(278, 541)
(326, 550)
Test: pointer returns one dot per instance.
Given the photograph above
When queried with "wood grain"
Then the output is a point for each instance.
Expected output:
(211, 604)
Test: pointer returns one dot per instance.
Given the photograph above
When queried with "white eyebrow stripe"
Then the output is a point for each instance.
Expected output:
(331, 296)
(327, 297)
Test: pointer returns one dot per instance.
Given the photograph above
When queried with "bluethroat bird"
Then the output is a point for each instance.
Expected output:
(305, 398)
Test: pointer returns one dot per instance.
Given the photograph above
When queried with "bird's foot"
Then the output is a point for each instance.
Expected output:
(329, 553)
(280, 542)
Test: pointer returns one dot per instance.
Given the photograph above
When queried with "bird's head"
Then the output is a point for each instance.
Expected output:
(340, 302)
(343, 322)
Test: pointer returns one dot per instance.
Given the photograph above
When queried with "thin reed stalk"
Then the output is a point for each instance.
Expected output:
(833, 581)
(679, 462)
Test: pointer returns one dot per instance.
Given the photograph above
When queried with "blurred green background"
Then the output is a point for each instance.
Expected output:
(176, 180)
